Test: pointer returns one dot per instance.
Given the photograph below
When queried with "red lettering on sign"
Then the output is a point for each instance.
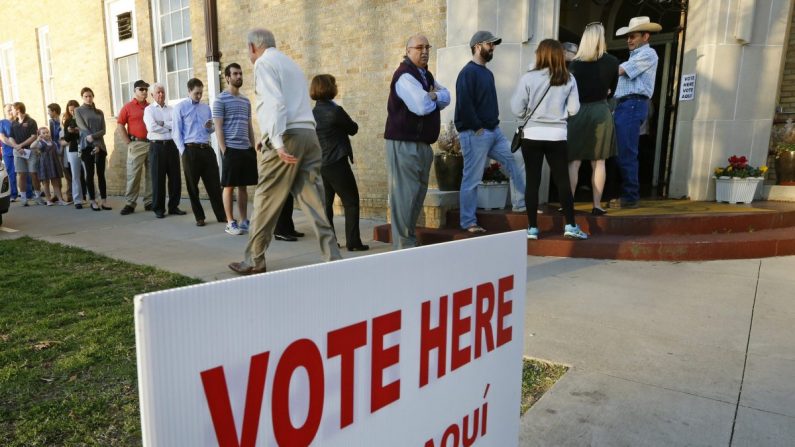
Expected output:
(217, 394)
(460, 326)
(504, 308)
(484, 294)
(451, 432)
(343, 342)
(300, 353)
(433, 338)
(382, 395)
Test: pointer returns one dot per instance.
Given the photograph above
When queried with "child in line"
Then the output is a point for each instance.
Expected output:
(50, 169)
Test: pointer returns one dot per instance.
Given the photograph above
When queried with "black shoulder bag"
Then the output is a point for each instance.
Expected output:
(516, 142)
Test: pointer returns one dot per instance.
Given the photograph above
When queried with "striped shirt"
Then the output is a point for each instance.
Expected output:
(641, 70)
(236, 113)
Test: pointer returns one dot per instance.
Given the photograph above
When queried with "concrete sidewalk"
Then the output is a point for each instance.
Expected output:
(174, 243)
(661, 354)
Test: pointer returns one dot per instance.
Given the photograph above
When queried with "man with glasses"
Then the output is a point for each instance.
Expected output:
(635, 87)
(132, 131)
(477, 120)
(412, 125)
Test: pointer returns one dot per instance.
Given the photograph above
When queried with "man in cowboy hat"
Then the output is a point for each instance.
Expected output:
(635, 87)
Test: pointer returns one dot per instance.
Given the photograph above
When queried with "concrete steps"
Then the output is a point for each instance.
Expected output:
(764, 230)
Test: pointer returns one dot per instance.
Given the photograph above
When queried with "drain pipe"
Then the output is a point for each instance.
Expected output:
(213, 64)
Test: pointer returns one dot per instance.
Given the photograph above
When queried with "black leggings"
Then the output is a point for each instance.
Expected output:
(533, 152)
(89, 162)
(338, 179)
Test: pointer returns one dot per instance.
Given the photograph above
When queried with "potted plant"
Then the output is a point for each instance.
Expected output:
(493, 188)
(737, 182)
(785, 155)
(448, 164)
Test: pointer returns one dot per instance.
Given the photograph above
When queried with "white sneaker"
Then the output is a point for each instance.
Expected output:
(233, 229)
(23, 201)
(532, 233)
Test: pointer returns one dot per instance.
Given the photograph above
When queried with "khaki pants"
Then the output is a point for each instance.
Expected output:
(137, 168)
(277, 179)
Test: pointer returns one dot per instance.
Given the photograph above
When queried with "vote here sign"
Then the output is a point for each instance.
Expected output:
(419, 347)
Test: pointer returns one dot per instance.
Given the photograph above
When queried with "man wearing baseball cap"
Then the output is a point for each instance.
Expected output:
(477, 121)
(132, 131)
(635, 87)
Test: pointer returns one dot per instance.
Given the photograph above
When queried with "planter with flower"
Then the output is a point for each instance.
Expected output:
(448, 164)
(493, 188)
(737, 182)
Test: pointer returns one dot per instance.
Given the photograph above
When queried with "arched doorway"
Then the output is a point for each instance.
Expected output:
(656, 143)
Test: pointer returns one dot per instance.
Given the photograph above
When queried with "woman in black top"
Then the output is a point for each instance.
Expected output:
(333, 128)
(592, 132)
(70, 140)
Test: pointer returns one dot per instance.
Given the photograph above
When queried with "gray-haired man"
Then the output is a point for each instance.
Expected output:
(291, 158)
(163, 154)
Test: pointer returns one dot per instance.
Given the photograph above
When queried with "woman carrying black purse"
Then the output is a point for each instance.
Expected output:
(546, 96)
(334, 126)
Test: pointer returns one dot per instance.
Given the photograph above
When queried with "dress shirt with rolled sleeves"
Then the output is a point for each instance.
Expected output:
(276, 77)
(154, 114)
(418, 101)
(188, 123)
(640, 73)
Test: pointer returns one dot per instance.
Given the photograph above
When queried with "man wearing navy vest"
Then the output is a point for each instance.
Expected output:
(412, 125)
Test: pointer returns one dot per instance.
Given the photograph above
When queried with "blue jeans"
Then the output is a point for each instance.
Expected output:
(628, 116)
(8, 160)
(477, 149)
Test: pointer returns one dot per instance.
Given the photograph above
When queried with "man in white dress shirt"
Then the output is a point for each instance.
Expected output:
(291, 154)
(163, 154)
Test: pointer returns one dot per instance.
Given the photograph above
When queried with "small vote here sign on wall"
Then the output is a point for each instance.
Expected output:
(419, 347)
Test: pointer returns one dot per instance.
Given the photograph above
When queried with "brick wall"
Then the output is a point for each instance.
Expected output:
(787, 94)
(360, 42)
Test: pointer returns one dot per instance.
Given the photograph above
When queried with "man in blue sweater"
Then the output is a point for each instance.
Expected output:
(477, 121)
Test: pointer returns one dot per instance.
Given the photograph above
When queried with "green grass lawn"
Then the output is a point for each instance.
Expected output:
(67, 345)
(537, 378)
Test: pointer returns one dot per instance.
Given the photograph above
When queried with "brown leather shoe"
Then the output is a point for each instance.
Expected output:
(199, 222)
(241, 269)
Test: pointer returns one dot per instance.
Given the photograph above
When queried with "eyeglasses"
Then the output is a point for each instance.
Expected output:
(142, 89)
(422, 47)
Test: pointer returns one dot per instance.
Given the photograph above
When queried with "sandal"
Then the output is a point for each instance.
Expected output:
(476, 229)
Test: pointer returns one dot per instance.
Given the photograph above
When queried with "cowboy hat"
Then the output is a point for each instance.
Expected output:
(638, 24)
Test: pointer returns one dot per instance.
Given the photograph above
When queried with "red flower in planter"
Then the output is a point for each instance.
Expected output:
(738, 162)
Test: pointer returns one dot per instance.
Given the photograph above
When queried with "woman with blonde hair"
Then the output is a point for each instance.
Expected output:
(545, 97)
(591, 131)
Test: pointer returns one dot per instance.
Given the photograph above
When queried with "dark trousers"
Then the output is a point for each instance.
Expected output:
(285, 225)
(533, 152)
(164, 161)
(199, 162)
(90, 163)
(338, 179)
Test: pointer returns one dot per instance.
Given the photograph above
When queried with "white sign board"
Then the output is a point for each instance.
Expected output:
(419, 347)
(687, 91)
